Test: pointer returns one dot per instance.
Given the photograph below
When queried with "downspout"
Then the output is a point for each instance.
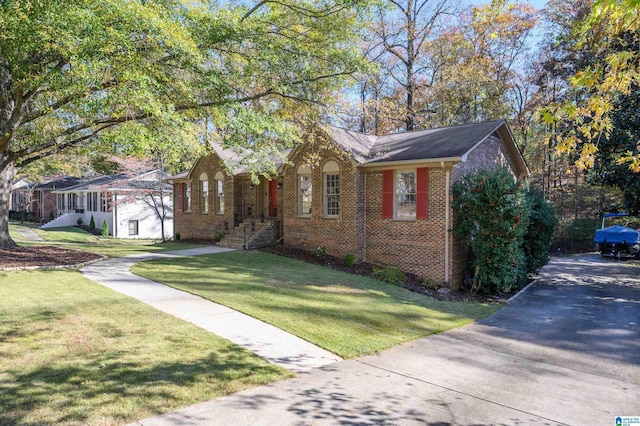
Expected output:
(446, 225)
(364, 248)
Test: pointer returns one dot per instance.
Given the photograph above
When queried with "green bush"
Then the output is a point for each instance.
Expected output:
(349, 260)
(92, 224)
(79, 221)
(539, 235)
(389, 275)
(105, 229)
(319, 252)
(493, 216)
(177, 236)
(51, 216)
(431, 284)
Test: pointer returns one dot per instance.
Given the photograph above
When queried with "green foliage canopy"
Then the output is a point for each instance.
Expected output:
(75, 71)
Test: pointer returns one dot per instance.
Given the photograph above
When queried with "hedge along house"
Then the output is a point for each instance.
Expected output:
(384, 199)
(217, 199)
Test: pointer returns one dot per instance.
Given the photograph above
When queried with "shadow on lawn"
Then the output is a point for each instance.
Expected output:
(73, 392)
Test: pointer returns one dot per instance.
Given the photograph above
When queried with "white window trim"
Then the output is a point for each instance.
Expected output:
(330, 168)
(204, 195)
(304, 170)
(137, 228)
(219, 197)
(187, 198)
(395, 194)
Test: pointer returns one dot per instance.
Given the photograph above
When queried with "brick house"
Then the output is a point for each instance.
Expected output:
(44, 198)
(384, 199)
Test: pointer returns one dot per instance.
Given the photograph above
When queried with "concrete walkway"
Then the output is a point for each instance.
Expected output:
(567, 352)
(267, 341)
(28, 234)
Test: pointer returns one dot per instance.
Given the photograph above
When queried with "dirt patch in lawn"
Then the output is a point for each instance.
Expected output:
(412, 283)
(43, 256)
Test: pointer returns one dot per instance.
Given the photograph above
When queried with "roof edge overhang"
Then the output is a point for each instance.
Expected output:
(440, 162)
(512, 147)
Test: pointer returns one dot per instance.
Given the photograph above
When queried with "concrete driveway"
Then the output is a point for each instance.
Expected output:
(566, 351)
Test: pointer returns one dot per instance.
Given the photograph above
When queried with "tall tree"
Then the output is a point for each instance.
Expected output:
(611, 31)
(73, 70)
(477, 59)
(404, 31)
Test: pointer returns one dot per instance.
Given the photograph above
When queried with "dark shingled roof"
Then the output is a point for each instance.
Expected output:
(60, 183)
(120, 181)
(446, 142)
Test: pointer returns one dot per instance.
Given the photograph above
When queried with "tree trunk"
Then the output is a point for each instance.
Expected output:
(6, 176)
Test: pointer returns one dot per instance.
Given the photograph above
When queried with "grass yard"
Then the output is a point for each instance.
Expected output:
(70, 237)
(73, 352)
(349, 315)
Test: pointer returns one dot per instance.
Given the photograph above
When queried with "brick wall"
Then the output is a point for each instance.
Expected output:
(489, 154)
(194, 224)
(338, 235)
(48, 205)
(416, 246)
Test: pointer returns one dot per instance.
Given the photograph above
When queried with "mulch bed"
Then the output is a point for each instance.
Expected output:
(413, 282)
(39, 256)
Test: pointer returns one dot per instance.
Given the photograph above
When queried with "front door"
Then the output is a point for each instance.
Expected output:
(273, 198)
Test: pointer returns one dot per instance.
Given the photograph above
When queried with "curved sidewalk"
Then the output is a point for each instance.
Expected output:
(267, 341)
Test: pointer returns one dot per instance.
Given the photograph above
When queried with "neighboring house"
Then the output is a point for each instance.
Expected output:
(22, 196)
(384, 199)
(44, 199)
(132, 206)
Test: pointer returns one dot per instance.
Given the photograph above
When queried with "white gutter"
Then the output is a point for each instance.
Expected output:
(384, 164)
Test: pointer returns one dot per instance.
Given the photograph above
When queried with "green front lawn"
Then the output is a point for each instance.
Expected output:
(71, 237)
(346, 314)
(74, 352)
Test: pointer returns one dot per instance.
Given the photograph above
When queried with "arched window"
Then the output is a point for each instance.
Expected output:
(331, 174)
(219, 186)
(305, 190)
(204, 193)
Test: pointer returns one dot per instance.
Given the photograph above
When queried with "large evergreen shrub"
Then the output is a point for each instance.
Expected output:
(493, 216)
(539, 235)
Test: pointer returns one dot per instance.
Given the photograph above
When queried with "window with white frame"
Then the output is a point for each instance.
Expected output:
(61, 203)
(405, 188)
(133, 227)
(305, 190)
(105, 200)
(72, 201)
(186, 198)
(92, 201)
(331, 173)
(204, 193)
(219, 185)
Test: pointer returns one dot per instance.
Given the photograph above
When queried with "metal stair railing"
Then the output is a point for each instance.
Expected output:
(250, 227)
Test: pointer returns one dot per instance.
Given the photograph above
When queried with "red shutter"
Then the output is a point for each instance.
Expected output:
(422, 193)
(179, 190)
(387, 194)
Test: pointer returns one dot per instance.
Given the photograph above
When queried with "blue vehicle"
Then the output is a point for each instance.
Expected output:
(618, 241)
